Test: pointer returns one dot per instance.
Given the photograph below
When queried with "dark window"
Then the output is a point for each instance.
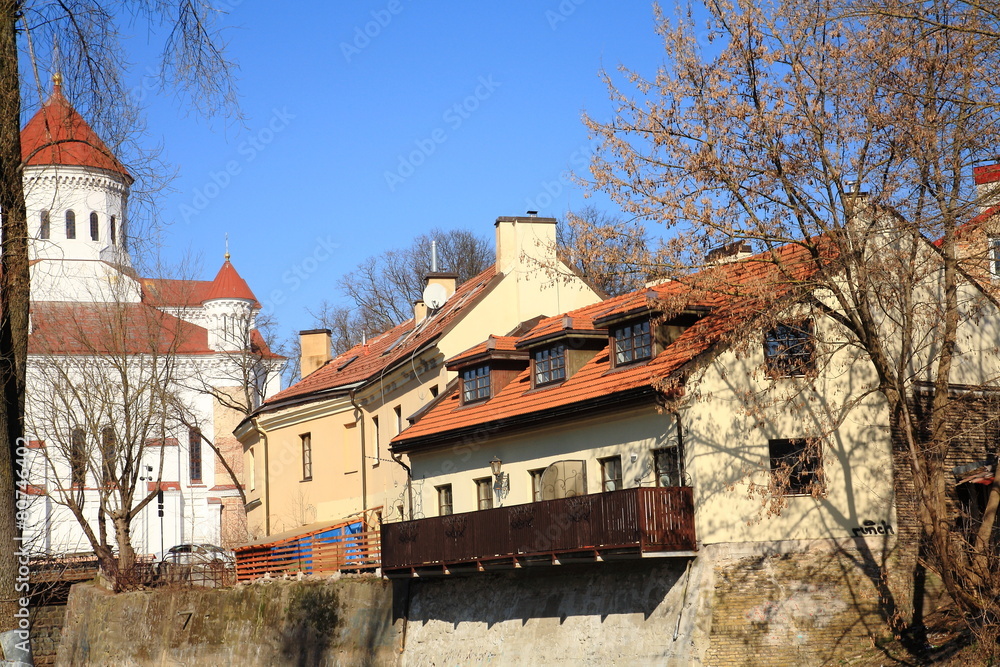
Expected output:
(434, 390)
(194, 455)
(788, 349)
(107, 455)
(78, 457)
(444, 500)
(95, 229)
(633, 343)
(484, 494)
(550, 365)
(307, 457)
(668, 466)
(375, 440)
(45, 227)
(70, 225)
(475, 384)
(536, 484)
(994, 257)
(399, 418)
(611, 473)
(114, 232)
(796, 465)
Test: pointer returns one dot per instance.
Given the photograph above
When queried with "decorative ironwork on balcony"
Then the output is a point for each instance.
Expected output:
(629, 522)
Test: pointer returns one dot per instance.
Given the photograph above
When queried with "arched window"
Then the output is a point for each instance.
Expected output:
(95, 230)
(108, 451)
(70, 225)
(78, 456)
(44, 228)
(113, 234)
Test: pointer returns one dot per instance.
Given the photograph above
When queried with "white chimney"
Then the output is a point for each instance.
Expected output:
(315, 349)
(525, 242)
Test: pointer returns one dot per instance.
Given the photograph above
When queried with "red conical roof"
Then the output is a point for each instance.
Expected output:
(228, 284)
(57, 134)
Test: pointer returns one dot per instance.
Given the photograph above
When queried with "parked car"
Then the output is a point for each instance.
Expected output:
(184, 562)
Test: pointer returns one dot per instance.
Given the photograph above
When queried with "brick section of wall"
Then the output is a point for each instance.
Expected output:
(46, 630)
(809, 608)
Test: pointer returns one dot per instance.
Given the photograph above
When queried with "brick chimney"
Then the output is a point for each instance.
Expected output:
(987, 180)
(525, 241)
(315, 349)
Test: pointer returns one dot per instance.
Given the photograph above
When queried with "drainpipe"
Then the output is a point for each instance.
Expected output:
(267, 479)
(360, 416)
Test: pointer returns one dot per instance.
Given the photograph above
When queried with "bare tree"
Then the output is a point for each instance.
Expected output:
(613, 254)
(838, 138)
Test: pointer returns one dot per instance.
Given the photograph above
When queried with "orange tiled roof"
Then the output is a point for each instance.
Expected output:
(227, 284)
(57, 134)
(493, 343)
(759, 279)
(362, 362)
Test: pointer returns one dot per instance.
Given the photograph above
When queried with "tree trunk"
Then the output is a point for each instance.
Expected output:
(14, 297)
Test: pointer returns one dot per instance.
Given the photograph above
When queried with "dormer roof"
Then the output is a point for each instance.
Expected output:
(228, 284)
(58, 135)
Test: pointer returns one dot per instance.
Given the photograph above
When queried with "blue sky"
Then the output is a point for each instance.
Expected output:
(369, 123)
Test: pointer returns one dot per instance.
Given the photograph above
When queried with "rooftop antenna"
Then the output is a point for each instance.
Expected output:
(434, 257)
(227, 246)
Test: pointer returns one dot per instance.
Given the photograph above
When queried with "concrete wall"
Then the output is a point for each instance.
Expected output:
(348, 621)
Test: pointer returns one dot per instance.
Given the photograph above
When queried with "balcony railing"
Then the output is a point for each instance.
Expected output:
(627, 522)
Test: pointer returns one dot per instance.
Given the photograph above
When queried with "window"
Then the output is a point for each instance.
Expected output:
(95, 230)
(194, 455)
(484, 494)
(434, 391)
(78, 457)
(994, 257)
(796, 465)
(633, 343)
(667, 463)
(399, 418)
(253, 471)
(444, 500)
(788, 349)
(550, 365)
(107, 455)
(113, 231)
(536, 484)
(44, 228)
(70, 225)
(307, 457)
(611, 473)
(375, 440)
(475, 384)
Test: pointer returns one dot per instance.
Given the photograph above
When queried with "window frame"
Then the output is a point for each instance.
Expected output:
(195, 461)
(444, 494)
(806, 454)
(111, 223)
(95, 227)
(45, 225)
(637, 342)
(553, 363)
(107, 455)
(481, 388)
(376, 435)
(307, 463)
(676, 463)
(484, 493)
(78, 457)
(70, 225)
(606, 479)
(790, 349)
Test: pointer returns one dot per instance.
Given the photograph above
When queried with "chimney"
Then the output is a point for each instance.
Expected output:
(731, 252)
(443, 278)
(987, 180)
(419, 311)
(315, 349)
(525, 241)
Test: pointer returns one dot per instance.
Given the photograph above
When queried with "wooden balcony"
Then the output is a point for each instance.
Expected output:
(628, 523)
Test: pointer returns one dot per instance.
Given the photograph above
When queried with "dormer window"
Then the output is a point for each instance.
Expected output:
(549, 365)
(632, 343)
(476, 384)
(788, 349)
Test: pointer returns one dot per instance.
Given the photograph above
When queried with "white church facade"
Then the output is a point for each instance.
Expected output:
(134, 384)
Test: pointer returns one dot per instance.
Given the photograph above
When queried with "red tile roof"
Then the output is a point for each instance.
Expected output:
(228, 284)
(363, 362)
(759, 281)
(57, 134)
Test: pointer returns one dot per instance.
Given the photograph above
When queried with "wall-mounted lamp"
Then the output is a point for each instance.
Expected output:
(495, 466)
